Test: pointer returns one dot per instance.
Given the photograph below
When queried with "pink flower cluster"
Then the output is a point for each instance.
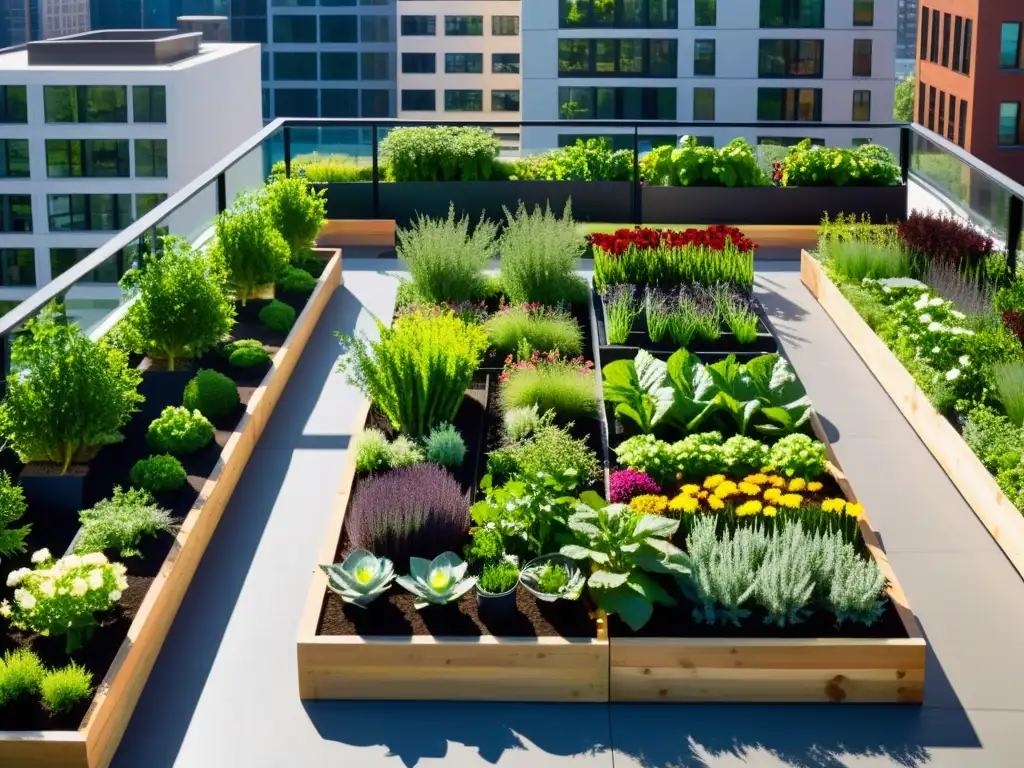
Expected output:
(540, 359)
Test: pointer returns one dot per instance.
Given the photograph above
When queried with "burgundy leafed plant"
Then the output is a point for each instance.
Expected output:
(627, 484)
(943, 238)
(417, 511)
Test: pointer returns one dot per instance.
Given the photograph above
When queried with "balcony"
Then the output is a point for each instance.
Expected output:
(234, 634)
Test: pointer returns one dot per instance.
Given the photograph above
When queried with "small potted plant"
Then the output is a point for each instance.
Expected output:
(496, 588)
(552, 577)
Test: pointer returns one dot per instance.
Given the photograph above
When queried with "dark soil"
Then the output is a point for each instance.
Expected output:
(110, 468)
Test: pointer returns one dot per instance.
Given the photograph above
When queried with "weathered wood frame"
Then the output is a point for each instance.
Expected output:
(975, 483)
(94, 743)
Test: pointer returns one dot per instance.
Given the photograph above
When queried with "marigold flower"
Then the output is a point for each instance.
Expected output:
(772, 494)
(776, 481)
(833, 505)
(649, 504)
(814, 487)
(690, 489)
(702, 495)
(791, 500)
(854, 510)
(684, 503)
(716, 503)
(726, 489)
(797, 484)
(750, 489)
(751, 507)
(713, 481)
(769, 511)
(758, 479)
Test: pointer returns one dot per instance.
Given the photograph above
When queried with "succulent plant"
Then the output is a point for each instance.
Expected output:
(439, 581)
(361, 578)
(540, 575)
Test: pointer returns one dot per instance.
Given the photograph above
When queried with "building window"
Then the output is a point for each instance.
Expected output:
(931, 107)
(705, 13)
(1009, 46)
(968, 33)
(703, 103)
(951, 128)
(464, 26)
(376, 66)
(301, 29)
(463, 63)
(295, 66)
(87, 158)
(375, 102)
(419, 100)
(958, 33)
(941, 129)
(861, 106)
(800, 14)
(924, 32)
(505, 26)
(374, 29)
(463, 101)
(1009, 124)
(85, 103)
(504, 101)
(862, 58)
(790, 58)
(342, 66)
(934, 56)
(63, 259)
(14, 159)
(149, 104)
(339, 102)
(947, 29)
(863, 13)
(147, 201)
(704, 58)
(13, 104)
(601, 103)
(789, 104)
(608, 57)
(89, 213)
(295, 102)
(265, 98)
(249, 30)
(962, 136)
(419, 63)
(16, 213)
(151, 158)
(17, 266)
(621, 14)
(419, 26)
(920, 101)
(505, 63)
(333, 29)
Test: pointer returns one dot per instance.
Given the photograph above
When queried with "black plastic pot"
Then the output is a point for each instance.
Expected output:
(496, 607)
(45, 487)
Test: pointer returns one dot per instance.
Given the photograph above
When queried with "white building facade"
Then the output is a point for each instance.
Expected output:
(711, 61)
(64, 17)
(86, 150)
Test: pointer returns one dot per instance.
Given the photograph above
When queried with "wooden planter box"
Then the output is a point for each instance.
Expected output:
(94, 743)
(452, 669)
(979, 489)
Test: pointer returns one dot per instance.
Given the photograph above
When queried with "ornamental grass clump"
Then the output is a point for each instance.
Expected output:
(855, 260)
(120, 522)
(182, 304)
(297, 210)
(418, 372)
(446, 261)
(253, 250)
(62, 597)
(544, 328)
(735, 310)
(550, 383)
(539, 252)
(21, 672)
(658, 312)
(12, 508)
(62, 689)
(1008, 380)
(417, 511)
(67, 395)
(621, 309)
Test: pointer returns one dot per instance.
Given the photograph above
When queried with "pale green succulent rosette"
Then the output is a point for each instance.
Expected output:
(439, 581)
(361, 578)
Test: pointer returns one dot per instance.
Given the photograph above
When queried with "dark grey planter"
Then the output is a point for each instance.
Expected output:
(786, 206)
(349, 200)
(496, 607)
(61, 494)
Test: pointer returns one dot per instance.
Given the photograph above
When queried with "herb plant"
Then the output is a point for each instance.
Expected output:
(296, 210)
(855, 260)
(361, 578)
(439, 581)
(689, 164)
(278, 316)
(445, 446)
(554, 451)
(799, 456)
(373, 452)
(404, 452)
(158, 474)
(553, 577)
(63, 688)
(253, 250)
(590, 160)
(550, 383)
(529, 512)
(12, 508)
(621, 311)
(519, 424)
(544, 329)
(68, 395)
(658, 312)
(539, 254)
(182, 304)
(498, 577)
(442, 153)
(211, 393)
(21, 672)
(179, 431)
(735, 311)
(120, 522)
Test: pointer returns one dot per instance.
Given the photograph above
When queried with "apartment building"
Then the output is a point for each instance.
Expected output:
(971, 77)
(64, 17)
(19, 22)
(711, 61)
(90, 142)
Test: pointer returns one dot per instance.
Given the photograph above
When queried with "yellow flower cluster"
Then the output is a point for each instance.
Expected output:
(649, 504)
(758, 494)
(842, 507)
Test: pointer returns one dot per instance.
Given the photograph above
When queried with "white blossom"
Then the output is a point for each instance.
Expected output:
(41, 555)
(925, 318)
(964, 360)
(48, 588)
(79, 587)
(115, 595)
(25, 599)
(952, 374)
(5, 609)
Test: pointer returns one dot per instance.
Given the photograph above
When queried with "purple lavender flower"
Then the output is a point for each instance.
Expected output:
(629, 483)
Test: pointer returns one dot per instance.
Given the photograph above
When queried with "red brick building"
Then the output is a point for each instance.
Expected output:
(970, 77)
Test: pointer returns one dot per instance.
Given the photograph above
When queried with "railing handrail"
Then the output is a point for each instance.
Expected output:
(965, 157)
(388, 122)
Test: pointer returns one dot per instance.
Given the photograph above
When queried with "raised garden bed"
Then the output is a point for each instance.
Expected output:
(126, 645)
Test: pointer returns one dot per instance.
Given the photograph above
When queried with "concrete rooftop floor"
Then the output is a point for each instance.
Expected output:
(224, 691)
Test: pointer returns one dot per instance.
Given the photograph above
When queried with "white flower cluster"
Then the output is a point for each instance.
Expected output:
(77, 576)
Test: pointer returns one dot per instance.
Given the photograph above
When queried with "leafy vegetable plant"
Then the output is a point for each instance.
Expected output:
(361, 578)
(438, 581)
(178, 430)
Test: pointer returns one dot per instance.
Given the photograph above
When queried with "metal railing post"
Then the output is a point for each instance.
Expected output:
(638, 214)
(905, 153)
(1013, 234)
(222, 193)
(376, 173)
(287, 152)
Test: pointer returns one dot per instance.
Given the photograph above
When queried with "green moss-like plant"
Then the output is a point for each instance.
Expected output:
(12, 507)
(296, 280)
(62, 689)
(68, 395)
(21, 671)
(211, 393)
(158, 474)
(253, 250)
(183, 306)
(278, 316)
(248, 357)
(297, 211)
(179, 430)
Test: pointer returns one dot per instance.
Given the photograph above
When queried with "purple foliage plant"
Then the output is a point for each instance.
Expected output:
(626, 484)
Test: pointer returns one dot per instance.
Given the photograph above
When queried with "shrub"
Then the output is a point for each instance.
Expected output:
(62, 597)
(520, 423)
(539, 254)
(179, 430)
(182, 307)
(69, 394)
(549, 383)
(590, 160)
(404, 452)
(543, 328)
(253, 250)
(63, 688)
(499, 577)
(626, 484)
(372, 451)
(866, 166)
(21, 672)
(295, 280)
(278, 316)
(247, 353)
(12, 508)
(297, 211)
(158, 474)
(1008, 380)
(445, 261)
(734, 165)
(944, 238)
(211, 393)
(417, 511)
(855, 260)
(798, 455)
(445, 446)
(322, 169)
(120, 522)
(554, 452)
(419, 371)
(444, 153)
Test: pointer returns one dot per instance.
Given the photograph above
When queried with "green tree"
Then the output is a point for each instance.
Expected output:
(298, 212)
(903, 108)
